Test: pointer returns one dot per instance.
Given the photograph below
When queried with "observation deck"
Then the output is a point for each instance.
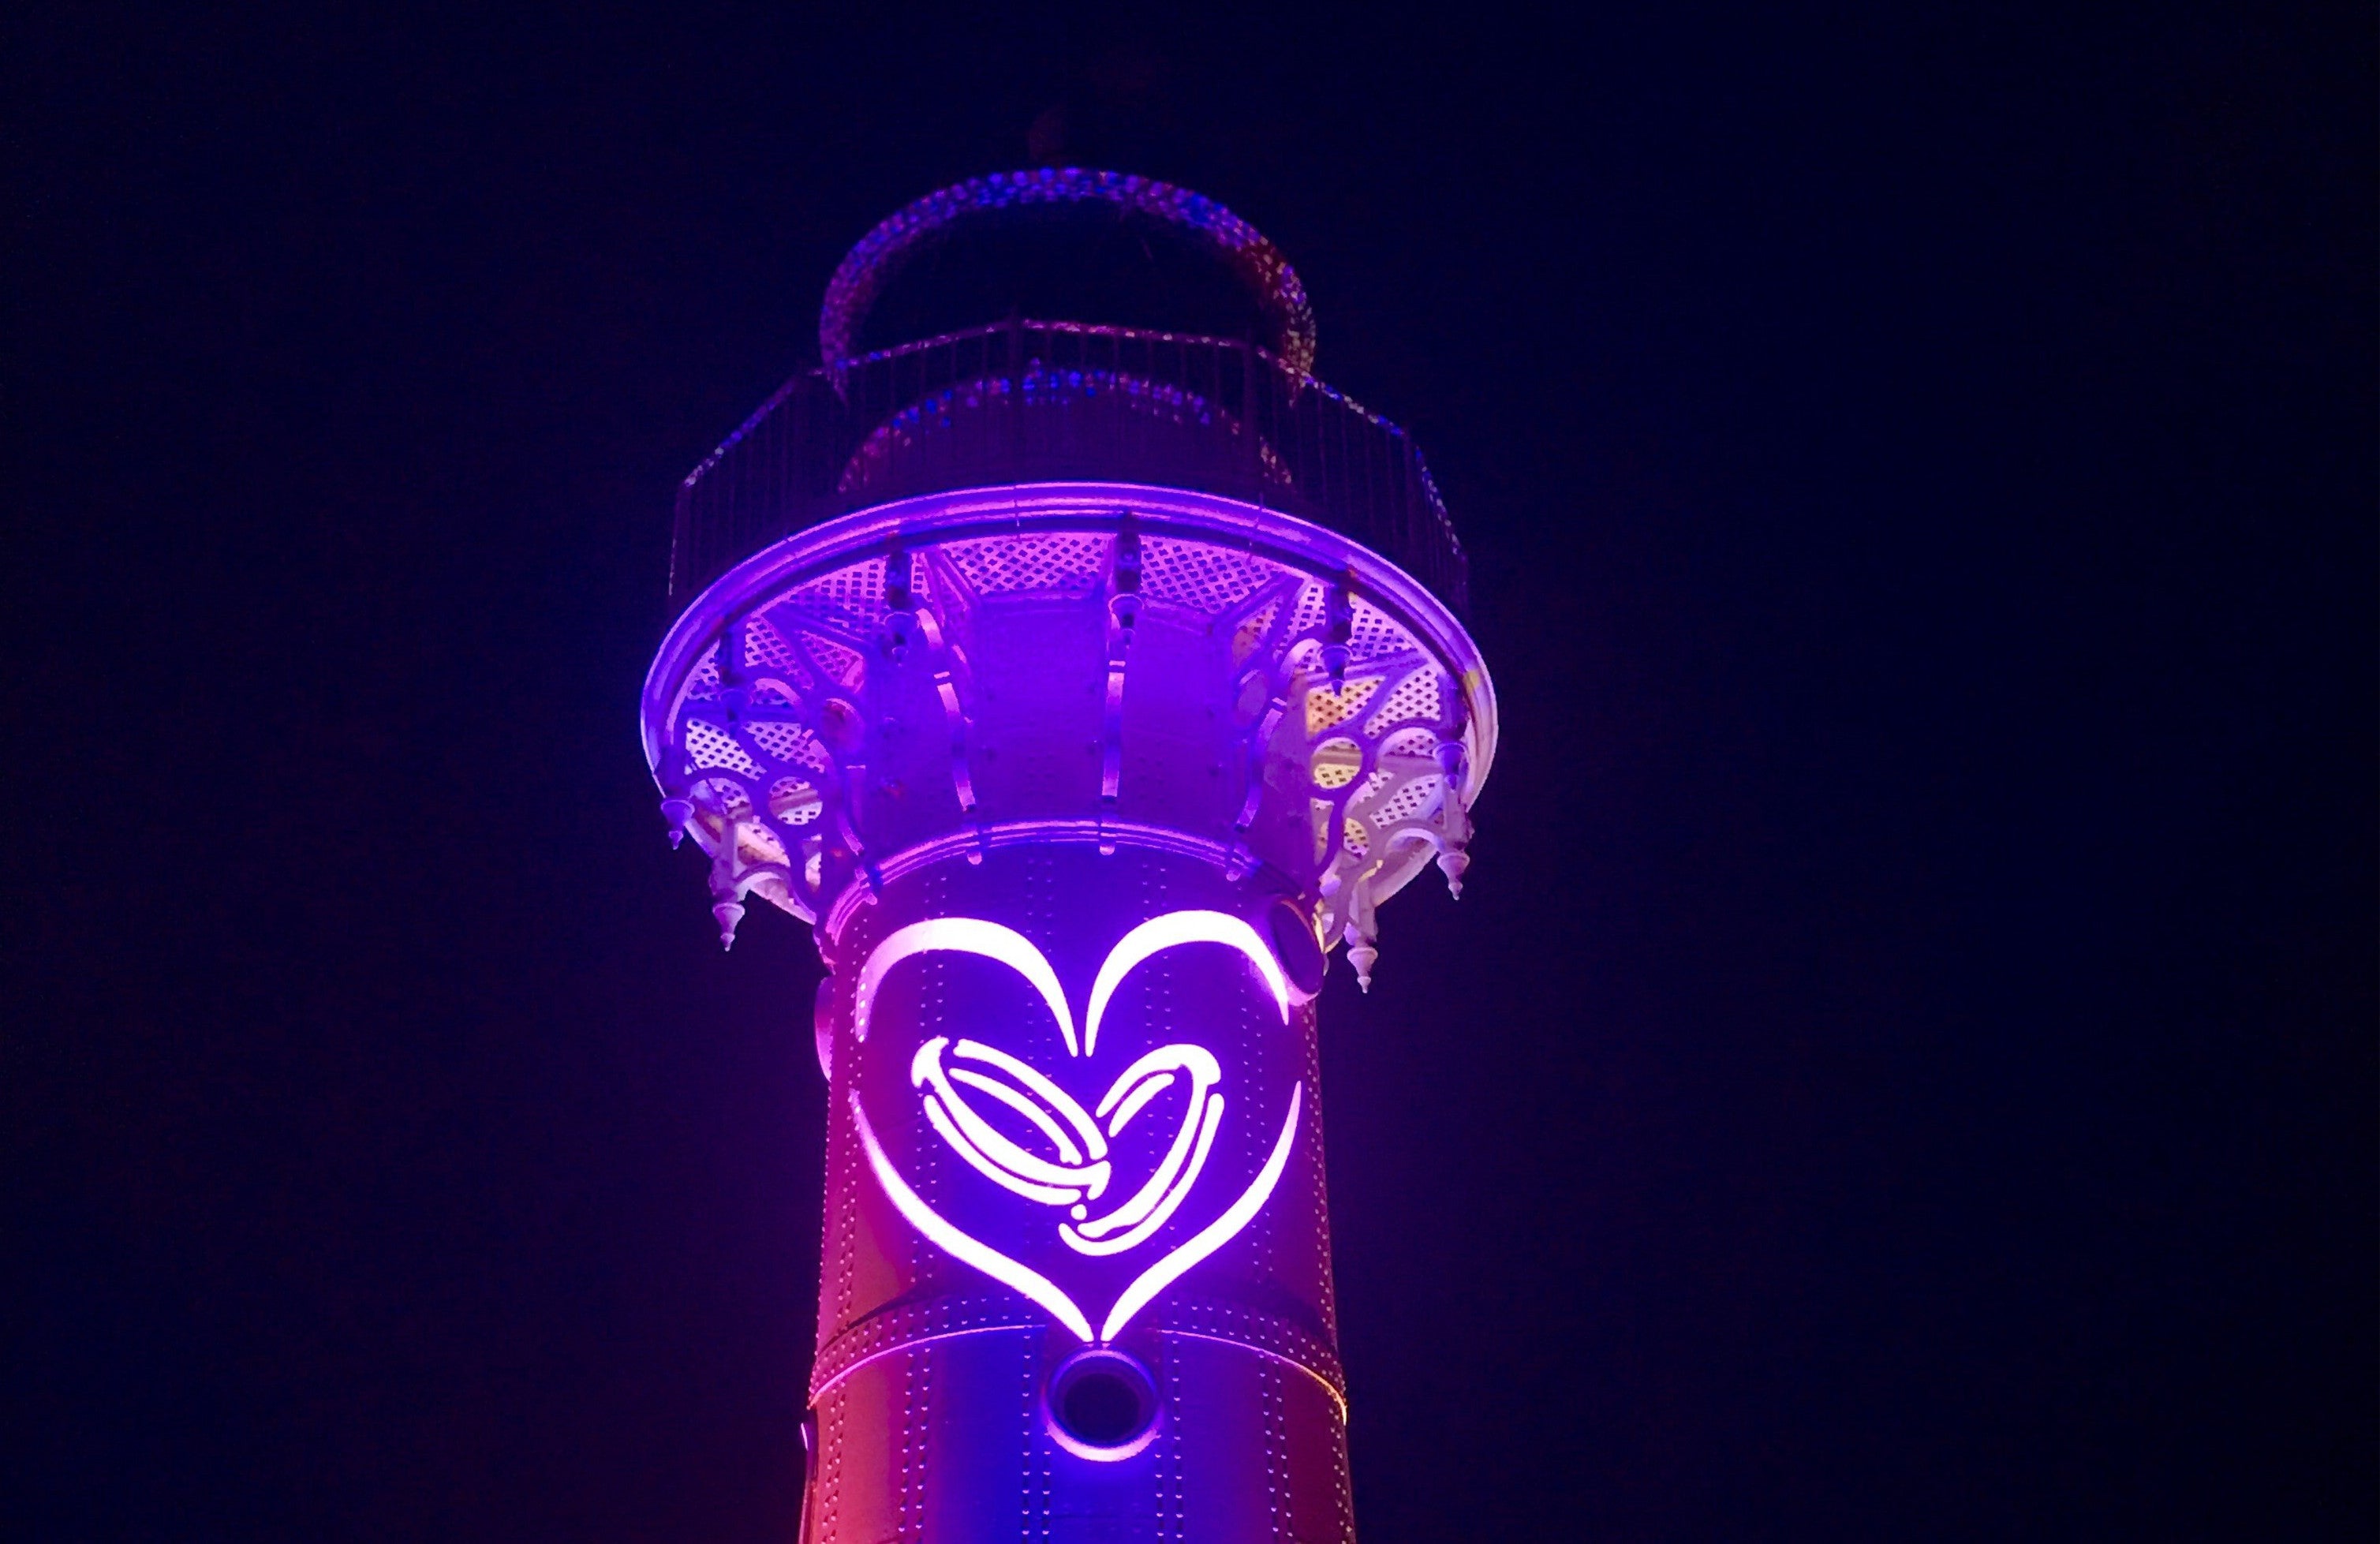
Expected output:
(1053, 401)
(853, 561)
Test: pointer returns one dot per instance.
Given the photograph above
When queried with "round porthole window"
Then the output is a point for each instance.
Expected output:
(1295, 945)
(1102, 1404)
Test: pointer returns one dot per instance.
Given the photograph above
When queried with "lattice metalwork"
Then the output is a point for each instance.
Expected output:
(1054, 563)
(789, 743)
(1419, 695)
(842, 666)
(706, 745)
(1206, 578)
(853, 595)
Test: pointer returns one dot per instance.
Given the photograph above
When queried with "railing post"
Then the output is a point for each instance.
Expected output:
(681, 526)
(782, 471)
(1249, 424)
(1015, 397)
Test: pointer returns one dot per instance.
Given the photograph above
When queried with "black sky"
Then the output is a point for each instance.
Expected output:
(1903, 1066)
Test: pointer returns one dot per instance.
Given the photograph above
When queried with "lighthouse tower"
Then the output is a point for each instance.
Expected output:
(1085, 672)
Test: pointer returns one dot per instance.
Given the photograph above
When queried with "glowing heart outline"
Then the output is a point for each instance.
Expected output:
(976, 936)
(973, 935)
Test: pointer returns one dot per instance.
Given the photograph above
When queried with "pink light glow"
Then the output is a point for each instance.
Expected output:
(1156, 1200)
(987, 1149)
(1172, 931)
(965, 935)
(1078, 1168)
(960, 1246)
(1213, 1236)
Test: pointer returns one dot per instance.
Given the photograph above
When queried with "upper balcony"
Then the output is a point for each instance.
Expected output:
(1028, 402)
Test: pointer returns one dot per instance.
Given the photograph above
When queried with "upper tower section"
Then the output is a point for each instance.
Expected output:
(1065, 325)
(1062, 541)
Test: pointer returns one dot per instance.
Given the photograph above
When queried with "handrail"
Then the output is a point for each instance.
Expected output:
(1061, 401)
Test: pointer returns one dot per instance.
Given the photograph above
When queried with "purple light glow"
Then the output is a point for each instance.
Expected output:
(1070, 692)
(873, 262)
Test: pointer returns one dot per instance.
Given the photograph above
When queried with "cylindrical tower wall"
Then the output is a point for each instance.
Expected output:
(1076, 1103)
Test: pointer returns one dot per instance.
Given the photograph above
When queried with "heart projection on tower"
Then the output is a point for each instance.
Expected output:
(1019, 1127)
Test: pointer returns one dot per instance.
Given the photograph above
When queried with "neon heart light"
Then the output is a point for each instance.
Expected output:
(1082, 1169)
(1076, 1170)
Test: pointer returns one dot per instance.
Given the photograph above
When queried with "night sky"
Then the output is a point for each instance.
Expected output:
(1904, 1063)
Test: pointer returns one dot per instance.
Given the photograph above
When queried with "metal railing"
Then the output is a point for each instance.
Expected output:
(1055, 401)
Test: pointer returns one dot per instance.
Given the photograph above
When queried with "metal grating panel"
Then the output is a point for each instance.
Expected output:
(1412, 799)
(707, 746)
(1418, 696)
(1061, 563)
(1206, 578)
(1372, 634)
(853, 596)
(1326, 709)
(789, 743)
